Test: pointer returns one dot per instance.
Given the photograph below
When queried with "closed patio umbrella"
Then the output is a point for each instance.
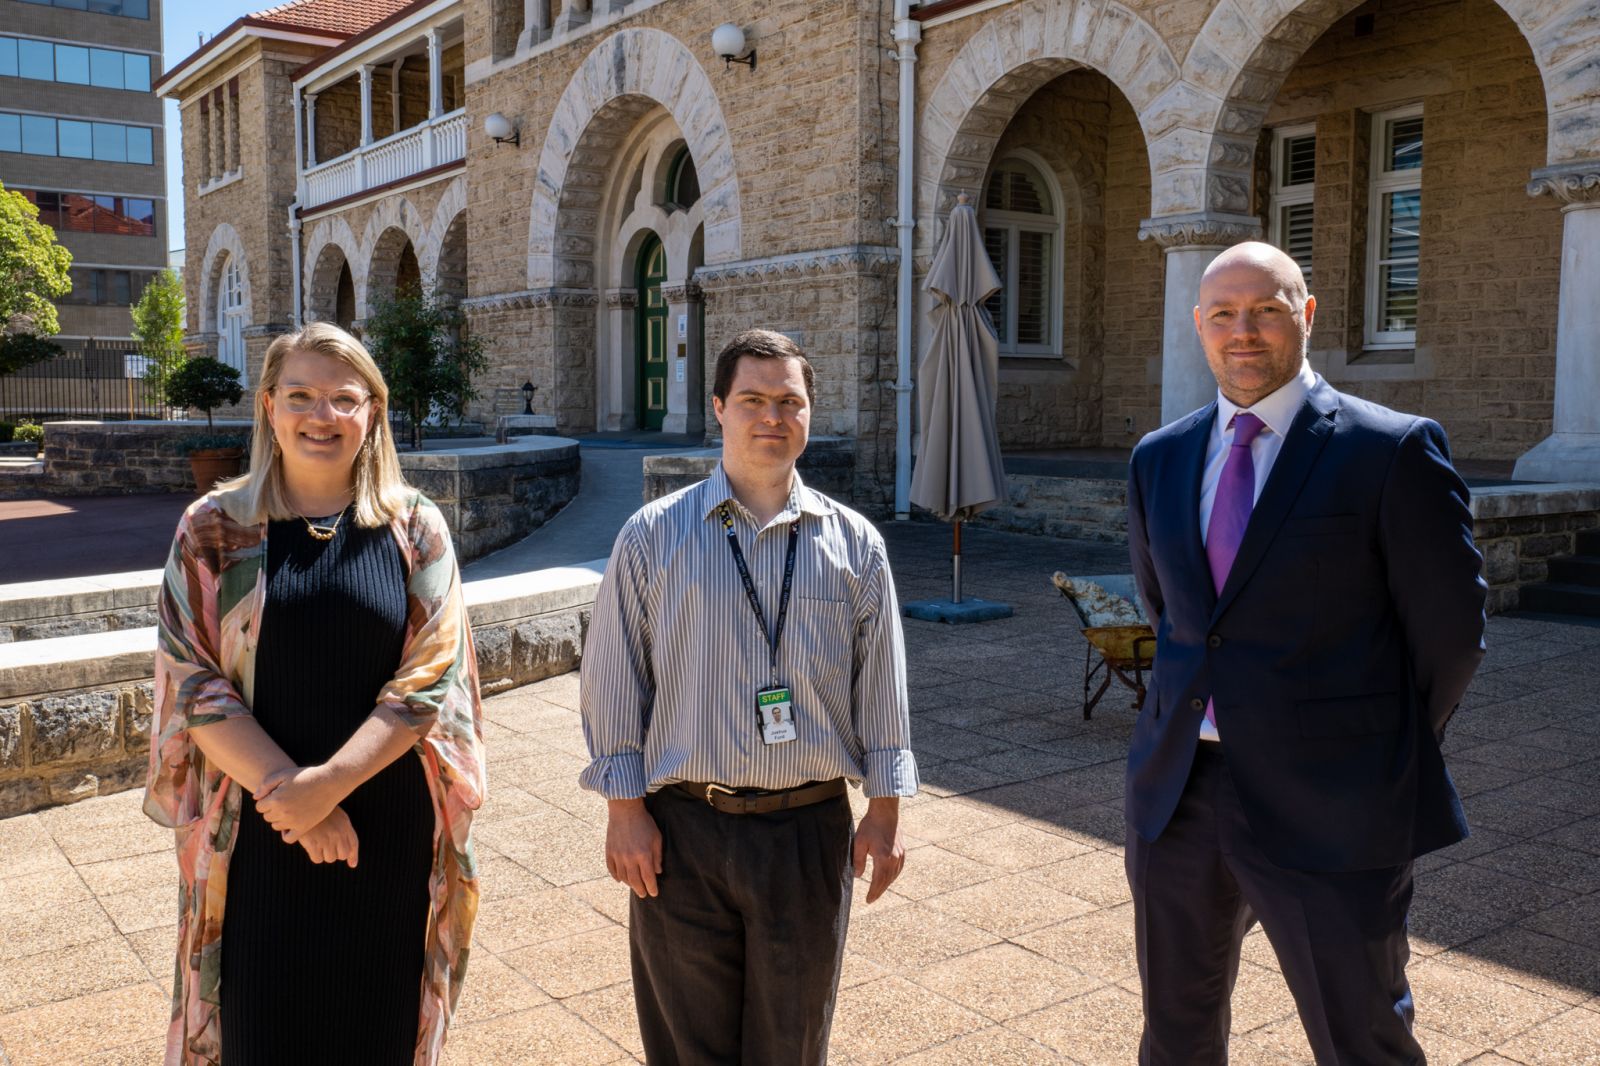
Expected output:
(959, 472)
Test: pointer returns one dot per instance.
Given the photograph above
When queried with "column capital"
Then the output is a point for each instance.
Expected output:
(625, 299)
(684, 292)
(1203, 229)
(1571, 183)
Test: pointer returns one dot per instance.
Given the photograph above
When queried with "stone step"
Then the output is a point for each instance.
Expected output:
(1561, 598)
(1576, 570)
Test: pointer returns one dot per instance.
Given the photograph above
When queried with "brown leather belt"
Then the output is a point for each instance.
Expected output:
(760, 801)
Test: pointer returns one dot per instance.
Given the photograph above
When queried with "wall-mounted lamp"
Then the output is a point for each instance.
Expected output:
(500, 128)
(727, 40)
(527, 397)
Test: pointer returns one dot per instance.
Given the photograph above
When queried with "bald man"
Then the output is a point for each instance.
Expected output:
(1306, 558)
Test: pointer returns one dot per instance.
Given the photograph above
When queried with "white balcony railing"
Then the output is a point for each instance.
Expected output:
(412, 151)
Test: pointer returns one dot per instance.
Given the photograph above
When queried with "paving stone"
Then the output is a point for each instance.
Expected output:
(908, 937)
(1010, 906)
(78, 970)
(1577, 920)
(1015, 847)
(1100, 944)
(1003, 981)
(611, 1011)
(1097, 876)
(125, 875)
(959, 817)
(932, 870)
(1473, 1008)
(547, 1034)
(1462, 902)
(508, 923)
(994, 1046)
(575, 964)
(158, 948)
(150, 907)
(1570, 1039)
(56, 927)
(1260, 997)
(56, 1033)
(1547, 864)
(1100, 1028)
(492, 989)
(1544, 964)
(887, 1019)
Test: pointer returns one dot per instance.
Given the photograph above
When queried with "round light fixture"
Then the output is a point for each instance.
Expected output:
(727, 40)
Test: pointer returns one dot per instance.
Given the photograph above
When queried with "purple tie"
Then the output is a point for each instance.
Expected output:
(1230, 509)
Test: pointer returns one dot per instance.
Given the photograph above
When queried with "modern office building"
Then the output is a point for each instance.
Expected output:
(80, 136)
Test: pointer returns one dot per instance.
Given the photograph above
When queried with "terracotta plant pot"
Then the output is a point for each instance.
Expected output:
(212, 465)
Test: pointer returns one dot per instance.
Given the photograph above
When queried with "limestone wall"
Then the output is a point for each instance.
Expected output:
(75, 712)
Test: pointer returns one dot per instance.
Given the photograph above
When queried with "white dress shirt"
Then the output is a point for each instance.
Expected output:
(1276, 412)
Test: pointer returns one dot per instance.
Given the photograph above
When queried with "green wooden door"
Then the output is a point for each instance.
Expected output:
(651, 331)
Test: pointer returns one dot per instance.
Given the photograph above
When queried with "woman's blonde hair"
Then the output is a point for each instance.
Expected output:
(381, 491)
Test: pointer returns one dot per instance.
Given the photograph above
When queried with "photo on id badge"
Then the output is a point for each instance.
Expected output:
(775, 711)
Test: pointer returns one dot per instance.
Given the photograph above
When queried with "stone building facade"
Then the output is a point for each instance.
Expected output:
(1433, 164)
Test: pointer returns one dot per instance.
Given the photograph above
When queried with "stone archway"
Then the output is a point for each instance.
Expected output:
(392, 246)
(1004, 64)
(331, 246)
(224, 247)
(442, 251)
(624, 77)
(1246, 48)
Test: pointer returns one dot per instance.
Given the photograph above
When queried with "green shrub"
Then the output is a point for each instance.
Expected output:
(28, 431)
(204, 384)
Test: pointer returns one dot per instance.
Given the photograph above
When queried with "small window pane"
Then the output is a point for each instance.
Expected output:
(996, 244)
(105, 68)
(1294, 234)
(121, 289)
(10, 133)
(38, 135)
(140, 216)
(77, 139)
(8, 56)
(49, 205)
(1299, 163)
(77, 213)
(1033, 287)
(72, 64)
(139, 144)
(110, 142)
(1403, 144)
(1402, 231)
(136, 73)
(37, 59)
(139, 9)
(1399, 296)
(75, 5)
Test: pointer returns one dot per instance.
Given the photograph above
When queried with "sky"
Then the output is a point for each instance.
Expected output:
(181, 21)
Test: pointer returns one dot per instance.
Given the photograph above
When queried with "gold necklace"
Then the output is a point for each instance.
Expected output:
(324, 532)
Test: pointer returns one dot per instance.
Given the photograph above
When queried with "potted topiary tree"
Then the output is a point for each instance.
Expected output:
(205, 383)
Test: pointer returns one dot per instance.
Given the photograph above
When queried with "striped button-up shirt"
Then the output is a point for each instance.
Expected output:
(675, 655)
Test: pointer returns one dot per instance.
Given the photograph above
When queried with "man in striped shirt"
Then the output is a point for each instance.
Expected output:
(745, 661)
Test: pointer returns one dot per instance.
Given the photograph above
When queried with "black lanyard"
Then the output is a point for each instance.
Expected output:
(750, 586)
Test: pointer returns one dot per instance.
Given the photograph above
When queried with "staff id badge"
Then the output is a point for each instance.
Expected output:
(775, 709)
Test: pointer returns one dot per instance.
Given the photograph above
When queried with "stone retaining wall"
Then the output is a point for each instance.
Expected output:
(1519, 528)
(68, 607)
(75, 711)
(492, 496)
(1077, 508)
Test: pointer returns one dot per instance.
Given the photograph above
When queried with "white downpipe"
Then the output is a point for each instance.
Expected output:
(294, 260)
(294, 216)
(907, 34)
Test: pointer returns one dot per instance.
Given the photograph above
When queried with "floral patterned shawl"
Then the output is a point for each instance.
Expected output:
(210, 619)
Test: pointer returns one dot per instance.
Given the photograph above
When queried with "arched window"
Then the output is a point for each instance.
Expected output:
(683, 182)
(1022, 234)
(230, 317)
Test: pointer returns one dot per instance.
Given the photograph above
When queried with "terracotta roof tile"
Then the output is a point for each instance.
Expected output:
(336, 16)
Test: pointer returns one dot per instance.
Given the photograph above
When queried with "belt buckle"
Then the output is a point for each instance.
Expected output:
(717, 788)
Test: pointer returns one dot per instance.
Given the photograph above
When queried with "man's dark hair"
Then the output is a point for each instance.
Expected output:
(759, 344)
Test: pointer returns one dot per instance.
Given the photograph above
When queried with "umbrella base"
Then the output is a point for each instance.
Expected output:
(968, 610)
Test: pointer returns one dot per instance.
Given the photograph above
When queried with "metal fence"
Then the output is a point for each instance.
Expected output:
(97, 377)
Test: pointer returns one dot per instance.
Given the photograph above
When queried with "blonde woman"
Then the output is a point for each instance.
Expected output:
(316, 744)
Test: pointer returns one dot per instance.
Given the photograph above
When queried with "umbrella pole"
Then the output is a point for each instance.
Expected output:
(955, 567)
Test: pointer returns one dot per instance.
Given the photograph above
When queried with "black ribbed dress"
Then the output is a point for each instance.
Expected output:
(322, 964)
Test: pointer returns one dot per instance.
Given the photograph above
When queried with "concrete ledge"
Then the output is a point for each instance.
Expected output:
(1517, 501)
(35, 610)
(1520, 528)
(75, 710)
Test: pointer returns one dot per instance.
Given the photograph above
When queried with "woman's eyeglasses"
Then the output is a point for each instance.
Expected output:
(302, 399)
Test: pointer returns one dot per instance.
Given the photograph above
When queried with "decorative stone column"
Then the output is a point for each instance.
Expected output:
(366, 104)
(435, 75)
(685, 361)
(1572, 451)
(311, 130)
(621, 370)
(1190, 243)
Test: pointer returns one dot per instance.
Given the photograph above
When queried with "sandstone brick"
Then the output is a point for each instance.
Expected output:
(75, 727)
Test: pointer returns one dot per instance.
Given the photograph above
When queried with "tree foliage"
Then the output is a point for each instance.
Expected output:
(33, 274)
(158, 327)
(204, 383)
(427, 358)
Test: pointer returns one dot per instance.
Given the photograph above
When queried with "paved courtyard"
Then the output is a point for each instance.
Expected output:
(1009, 937)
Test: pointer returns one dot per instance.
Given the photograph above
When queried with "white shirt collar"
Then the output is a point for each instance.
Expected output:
(1276, 410)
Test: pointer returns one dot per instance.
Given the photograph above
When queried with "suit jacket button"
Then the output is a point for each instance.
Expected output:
(1197, 705)
(1214, 641)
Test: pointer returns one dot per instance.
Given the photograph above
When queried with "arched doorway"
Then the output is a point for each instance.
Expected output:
(651, 333)
(230, 317)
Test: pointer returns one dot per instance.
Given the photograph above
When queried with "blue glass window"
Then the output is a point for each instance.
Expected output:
(110, 142)
(72, 64)
(36, 59)
(140, 145)
(10, 133)
(38, 135)
(105, 68)
(137, 74)
(8, 56)
(77, 139)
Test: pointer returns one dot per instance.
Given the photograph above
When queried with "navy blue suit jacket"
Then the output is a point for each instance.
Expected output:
(1344, 638)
